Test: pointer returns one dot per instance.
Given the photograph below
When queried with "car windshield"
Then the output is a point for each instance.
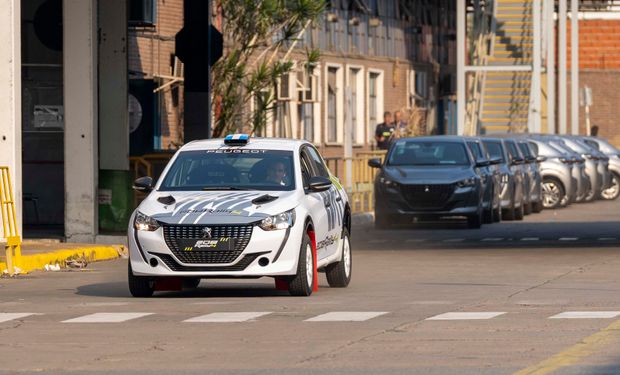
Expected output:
(231, 169)
(428, 153)
(495, 149)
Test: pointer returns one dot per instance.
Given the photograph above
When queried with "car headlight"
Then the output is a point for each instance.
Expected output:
(466, 182)
(505, 178)
(388, 183)
(145, 223)
(284, 220)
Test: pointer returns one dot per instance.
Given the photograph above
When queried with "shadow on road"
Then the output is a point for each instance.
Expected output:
(206, 289)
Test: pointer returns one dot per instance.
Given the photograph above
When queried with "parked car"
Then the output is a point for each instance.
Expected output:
(613, 191)
(512, 194)
(602, 162)
(429, 177)
(556, 172)
(580, 186)
(533, 175)
(491, 179)
(241, 208)
(594, 167)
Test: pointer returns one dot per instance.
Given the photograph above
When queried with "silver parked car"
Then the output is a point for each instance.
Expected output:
(613, 191)
(556, 171)
(533, 176)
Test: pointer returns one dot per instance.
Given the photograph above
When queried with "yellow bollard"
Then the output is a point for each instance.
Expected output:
(10, 233)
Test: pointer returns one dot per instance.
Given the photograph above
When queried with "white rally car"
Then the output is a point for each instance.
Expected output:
(240, 207)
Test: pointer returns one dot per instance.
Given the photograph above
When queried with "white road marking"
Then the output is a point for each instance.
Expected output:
(107, 317)
(6, 317)
(586, 315)
(227, 317)
(569, 239)
(466, 316)
(492, 239)
(607, 239)
(346, 316)
(530, 239)
(454, 240)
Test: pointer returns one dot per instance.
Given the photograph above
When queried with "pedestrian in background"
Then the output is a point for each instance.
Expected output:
(384, 132)
(400, 125)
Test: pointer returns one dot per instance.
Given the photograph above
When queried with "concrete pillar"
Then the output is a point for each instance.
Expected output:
(550, 67)
(536, 104)
(11, 94)
(80, 92)
(574, 68)
(113, 113)
(461, 90)
(562, 78)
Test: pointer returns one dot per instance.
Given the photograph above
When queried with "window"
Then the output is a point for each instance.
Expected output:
(475, 150)
(142, 12)
(356, 107)
(372, 99)
(317, 162)
(332, 105)
(306, 118)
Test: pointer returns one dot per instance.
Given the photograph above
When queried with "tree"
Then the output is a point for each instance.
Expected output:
(260, 36)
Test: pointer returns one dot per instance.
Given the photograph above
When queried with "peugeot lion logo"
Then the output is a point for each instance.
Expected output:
(206, 233)
(427, 189)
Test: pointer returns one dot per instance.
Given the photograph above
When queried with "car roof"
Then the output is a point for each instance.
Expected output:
(253, 144)
(444, 138)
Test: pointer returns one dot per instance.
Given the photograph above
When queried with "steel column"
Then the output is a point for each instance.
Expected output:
(461, 40)
(535, 100)
(551, 71)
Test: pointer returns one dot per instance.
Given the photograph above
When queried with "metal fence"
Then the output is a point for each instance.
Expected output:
(357, 178)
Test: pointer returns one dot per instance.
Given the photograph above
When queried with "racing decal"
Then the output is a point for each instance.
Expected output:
(334, 207)
(330, 240)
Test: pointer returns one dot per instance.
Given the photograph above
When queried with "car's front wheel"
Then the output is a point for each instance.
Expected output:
(339, 274)
(140, 286)
(301, 284)
(553, 193)
(613, 191)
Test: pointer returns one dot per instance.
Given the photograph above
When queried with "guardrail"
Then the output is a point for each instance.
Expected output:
(10, 238)
(357, 178)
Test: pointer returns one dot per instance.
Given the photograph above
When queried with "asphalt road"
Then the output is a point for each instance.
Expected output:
(542, 295)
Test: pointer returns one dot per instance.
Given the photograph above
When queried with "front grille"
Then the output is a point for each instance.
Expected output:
(427, 197)
(174, 233)
(175, 266)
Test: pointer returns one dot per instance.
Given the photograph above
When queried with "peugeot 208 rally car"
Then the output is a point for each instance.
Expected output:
(240, 207)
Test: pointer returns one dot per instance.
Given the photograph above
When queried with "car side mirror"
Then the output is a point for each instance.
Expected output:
(374, 163)
(541, 158)
(496, 161)
(319, 183)
(483, 163)
(143, 184)
(517, 161)
(531, 159)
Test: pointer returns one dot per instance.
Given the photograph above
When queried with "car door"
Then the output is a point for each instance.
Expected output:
(315, 203)
(334, 206)
(484, 172)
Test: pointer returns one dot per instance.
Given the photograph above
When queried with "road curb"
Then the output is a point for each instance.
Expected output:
(32, 262)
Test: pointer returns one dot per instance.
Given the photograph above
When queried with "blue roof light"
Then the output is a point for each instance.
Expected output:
(237, 139)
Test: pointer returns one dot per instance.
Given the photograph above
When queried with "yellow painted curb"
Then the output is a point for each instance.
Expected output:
(27, 263)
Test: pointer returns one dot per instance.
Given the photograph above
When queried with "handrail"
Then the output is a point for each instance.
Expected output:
(482, 51)
(10, 230)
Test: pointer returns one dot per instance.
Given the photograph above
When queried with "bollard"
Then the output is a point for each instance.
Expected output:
(10, 235)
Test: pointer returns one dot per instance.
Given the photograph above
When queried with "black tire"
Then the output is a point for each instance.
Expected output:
(337, 275)
(299, 285)
(527, 208)
(537, 207)
(488, 216)
(553, 197)
(140, 286)
(519, 212)
(475, 221)
(381, 221)
(612, 192)
(191, 282)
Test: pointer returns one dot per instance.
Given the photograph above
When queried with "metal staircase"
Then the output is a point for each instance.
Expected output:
(505, 96)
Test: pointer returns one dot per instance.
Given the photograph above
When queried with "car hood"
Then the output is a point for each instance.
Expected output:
(221, 207)
(428, 174)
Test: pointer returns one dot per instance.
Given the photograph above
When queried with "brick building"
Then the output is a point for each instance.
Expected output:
(599, 69)
(394, 55)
